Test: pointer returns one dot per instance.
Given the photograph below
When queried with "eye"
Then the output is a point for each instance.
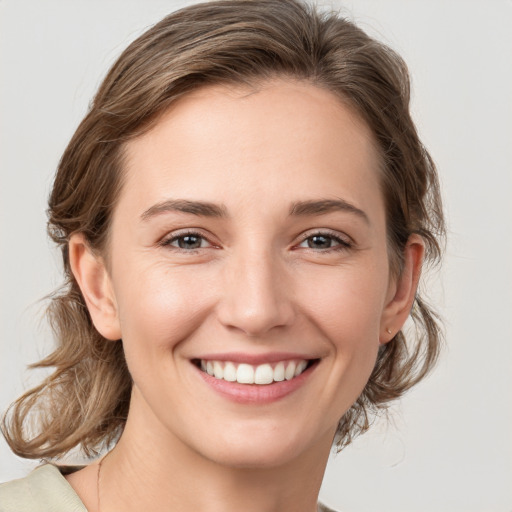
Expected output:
(187, 241)
(324, 242)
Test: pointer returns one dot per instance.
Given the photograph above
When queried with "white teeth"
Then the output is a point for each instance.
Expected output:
(249, 374)
(218, 371)
(289, 373)
(245, 374)
(300, 368)
(279, 372)
(230, 372)
(264, 374)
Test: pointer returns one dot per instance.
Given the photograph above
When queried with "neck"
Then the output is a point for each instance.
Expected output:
(161, 470)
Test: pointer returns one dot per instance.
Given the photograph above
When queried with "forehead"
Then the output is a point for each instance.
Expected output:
(280, 139)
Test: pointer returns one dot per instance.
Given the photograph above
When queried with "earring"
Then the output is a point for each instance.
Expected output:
(388, 330)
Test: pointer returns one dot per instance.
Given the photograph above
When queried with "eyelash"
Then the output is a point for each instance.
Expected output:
(341, 243)
(167, 242)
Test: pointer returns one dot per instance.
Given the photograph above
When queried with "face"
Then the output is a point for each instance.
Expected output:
(249, 272)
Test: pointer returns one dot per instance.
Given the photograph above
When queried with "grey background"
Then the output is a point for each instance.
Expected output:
(449, 447)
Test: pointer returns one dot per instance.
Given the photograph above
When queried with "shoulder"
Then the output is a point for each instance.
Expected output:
(324, 508)
(46, 490)
(43, 490)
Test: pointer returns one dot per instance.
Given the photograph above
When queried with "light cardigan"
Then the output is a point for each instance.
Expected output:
(43, 490)
(46, 490)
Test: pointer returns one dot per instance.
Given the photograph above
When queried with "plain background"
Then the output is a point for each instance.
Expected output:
(449, 447)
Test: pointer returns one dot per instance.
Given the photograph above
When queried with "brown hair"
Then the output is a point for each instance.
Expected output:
(84, 402)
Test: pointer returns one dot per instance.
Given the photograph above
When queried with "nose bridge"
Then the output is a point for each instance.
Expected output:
(256, 298)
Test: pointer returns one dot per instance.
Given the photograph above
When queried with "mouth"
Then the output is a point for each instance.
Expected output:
(261, 374)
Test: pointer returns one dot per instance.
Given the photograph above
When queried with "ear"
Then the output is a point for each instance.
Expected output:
(96, 287)
(402, 290)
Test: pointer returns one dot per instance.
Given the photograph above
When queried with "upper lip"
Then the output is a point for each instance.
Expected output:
(256, 359)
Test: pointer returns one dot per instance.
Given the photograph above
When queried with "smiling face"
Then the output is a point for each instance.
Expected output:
(248, 244)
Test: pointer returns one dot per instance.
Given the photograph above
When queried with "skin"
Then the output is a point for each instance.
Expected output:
(257, 284)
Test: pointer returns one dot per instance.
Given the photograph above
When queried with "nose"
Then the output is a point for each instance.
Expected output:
(257, 296)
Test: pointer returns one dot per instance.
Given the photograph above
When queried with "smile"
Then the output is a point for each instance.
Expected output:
(255, 380)
(261, 374)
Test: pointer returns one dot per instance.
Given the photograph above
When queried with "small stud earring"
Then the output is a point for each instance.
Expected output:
(388, 330)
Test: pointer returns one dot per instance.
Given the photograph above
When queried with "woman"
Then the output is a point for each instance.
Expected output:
(243, 216)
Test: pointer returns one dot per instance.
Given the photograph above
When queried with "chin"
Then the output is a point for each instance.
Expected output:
(263, 447)
(255, 456)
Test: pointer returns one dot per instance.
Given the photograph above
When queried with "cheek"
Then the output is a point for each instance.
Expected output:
(160, 307)
(346, 303)
(346, 308)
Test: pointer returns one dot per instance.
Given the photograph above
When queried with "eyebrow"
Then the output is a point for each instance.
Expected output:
(319, 207)
(200, 208)
(207, 209)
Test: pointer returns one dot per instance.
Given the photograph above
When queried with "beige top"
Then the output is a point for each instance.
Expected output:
(43, 490)
(46, 490)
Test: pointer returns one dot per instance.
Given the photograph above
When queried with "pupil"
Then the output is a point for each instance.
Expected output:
(319, 242)
(189, 242)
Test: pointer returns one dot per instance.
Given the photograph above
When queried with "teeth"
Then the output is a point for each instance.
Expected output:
(249, 374)
(245, 374)
(230, 372)
(279, 372)
(264, 374)
(289, 373)
(218, 371)
(300, 368)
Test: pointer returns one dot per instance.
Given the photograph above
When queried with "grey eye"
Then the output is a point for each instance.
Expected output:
(320, 242)
(323, 242)
(189, 242)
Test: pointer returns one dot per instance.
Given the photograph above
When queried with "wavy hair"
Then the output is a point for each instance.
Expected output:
(84, 402)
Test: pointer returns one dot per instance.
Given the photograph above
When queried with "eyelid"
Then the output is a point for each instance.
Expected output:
(344, 238)
(344, 241)
(174, 235)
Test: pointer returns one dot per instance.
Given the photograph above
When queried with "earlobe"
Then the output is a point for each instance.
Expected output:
(94, 282)
(403, 292)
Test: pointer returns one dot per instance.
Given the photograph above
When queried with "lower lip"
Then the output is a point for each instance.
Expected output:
(256, 393)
